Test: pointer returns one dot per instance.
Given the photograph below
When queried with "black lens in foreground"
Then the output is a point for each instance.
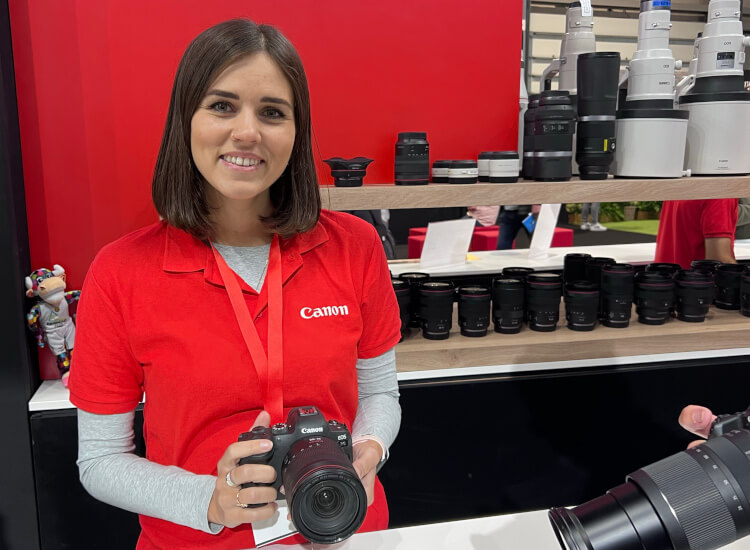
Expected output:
(581, 305)
(727, 279)
(543, 293)
(473, 310)
(654, 296)
(617, 295)
(694, 292)
(436, 309)
(508, 298)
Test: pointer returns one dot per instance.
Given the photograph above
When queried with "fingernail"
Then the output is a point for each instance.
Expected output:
(265, 444)
(699, 416)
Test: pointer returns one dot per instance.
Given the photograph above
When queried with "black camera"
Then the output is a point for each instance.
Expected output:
(696, 499)
(313, 461)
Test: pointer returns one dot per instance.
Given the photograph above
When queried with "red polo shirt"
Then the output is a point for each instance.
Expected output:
(155, 318)
(684, 227)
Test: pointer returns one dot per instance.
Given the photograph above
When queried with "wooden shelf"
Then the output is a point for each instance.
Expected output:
(376, 196)
(721, 330)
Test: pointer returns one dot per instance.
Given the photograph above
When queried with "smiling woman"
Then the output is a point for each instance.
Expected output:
(218, 312)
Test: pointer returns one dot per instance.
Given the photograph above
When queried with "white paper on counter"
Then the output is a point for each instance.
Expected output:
(447, 243)
(541, 239)
(274, 528)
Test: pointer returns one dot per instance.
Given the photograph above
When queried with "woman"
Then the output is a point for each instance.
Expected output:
(236, 188)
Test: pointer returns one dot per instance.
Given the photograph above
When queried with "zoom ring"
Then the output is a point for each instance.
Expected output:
(697, 503)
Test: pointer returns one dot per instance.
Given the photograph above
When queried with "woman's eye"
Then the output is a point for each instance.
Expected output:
(271, 112)
(221, 107)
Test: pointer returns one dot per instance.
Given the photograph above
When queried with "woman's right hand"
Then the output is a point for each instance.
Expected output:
(223, 508)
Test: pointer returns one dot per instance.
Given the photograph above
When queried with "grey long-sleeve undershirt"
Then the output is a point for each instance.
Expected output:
(110, 471)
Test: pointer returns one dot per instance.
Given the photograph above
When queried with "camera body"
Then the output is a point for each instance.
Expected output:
(302, 423)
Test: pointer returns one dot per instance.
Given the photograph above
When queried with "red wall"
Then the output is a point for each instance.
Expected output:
(94, 78)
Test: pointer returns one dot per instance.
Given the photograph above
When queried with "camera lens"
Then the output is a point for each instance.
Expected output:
(502, 166)
(670, 269)
(745, 292)
(412, 159)
(517, 272)
(463, 171)
(326, 498)
(528, 137)
(617, 295)
(727, 279)
(473, 310)
(436, 309)
(575, 267)
(581, 305)
(694, 292)
(508, 295)
(705, 265)
(554, 126)
(654, 295)
(440, 171)
(414, 279)
(598, 75)
(594, 269)
(693, 500)
(543, 292)
(403, 297)
(348, 172)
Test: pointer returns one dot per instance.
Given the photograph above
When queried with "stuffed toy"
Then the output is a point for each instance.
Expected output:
(50, 318)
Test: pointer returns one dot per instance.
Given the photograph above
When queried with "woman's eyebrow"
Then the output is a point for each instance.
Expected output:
(222, 93)
(276, 100)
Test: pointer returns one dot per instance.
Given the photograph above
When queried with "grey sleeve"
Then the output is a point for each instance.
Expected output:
(378, 410)
(112, 473)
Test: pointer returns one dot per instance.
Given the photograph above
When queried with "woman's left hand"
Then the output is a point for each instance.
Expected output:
(367, 455)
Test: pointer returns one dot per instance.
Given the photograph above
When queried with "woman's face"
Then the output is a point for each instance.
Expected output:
(242, 134)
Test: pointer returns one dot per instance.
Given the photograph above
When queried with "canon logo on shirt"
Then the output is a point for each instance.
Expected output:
(326, 311)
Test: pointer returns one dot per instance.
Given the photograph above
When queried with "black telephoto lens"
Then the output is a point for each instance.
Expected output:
(412, 159)
(575, 267)
(436, 309)
(414, 279)
(594, 269)
(554, 126)
(403, 296)
(727, 279)
(745, 292)
(654, 296)
(598, 77)
(517, 272)
(581, 305)
(670, 269)
(696, 499)
(543, 293)
(617, 295)
(694, 292)
(705, 265)
(527, 168)
(508, 298)
(474, 310)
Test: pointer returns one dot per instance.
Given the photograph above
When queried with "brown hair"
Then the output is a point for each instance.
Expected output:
(178, 187)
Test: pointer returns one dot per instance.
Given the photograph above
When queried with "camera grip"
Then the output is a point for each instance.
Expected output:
(263, 458)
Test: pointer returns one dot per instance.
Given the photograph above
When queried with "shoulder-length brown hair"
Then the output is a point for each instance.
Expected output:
(178, 187)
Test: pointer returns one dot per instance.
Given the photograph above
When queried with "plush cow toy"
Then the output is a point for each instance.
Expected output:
(50, 319)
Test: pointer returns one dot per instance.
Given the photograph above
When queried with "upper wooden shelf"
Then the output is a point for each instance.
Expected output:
(721, 330)
(375, 196)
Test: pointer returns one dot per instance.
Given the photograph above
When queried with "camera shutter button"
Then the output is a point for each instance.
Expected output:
(278, 429)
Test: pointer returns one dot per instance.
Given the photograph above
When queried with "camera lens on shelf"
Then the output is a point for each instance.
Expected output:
(403, 297)
(348, 172)
(517, 272)
(705, 265)
(414, 279)
(727, 280)
(598, 76)
(574, 268)
(473, 310)
(594, 268)
(463, 171)
(554, 126)
(436, 309)
(502, 166)
(694, 292)
(508, 297)
(581, 305)
(483, 166)
(617, 295)
(543, 293)
(440, 171)
(527, 167)
(745, 292)
(412, 159)
(654, 296)
(670, 269)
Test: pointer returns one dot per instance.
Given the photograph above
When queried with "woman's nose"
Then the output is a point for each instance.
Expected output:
(246, 129)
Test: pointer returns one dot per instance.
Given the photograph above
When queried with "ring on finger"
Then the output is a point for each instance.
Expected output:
(229, 479)
(240, 504)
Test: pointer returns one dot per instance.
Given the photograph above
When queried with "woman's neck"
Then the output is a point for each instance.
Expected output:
(237, 223)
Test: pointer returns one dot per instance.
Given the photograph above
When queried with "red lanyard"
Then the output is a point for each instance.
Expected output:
(270, 367)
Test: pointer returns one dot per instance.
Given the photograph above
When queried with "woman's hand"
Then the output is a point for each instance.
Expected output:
(697, 420)
(223, 508)
(367, 455)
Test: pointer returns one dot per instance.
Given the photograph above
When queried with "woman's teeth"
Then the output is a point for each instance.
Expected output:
(240, 161)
